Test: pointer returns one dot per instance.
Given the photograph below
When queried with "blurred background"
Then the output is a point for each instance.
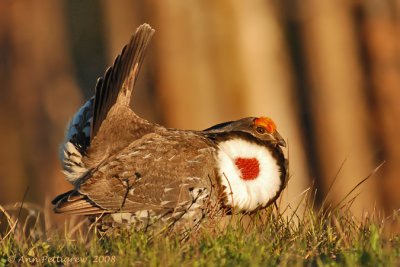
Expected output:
(327, 72)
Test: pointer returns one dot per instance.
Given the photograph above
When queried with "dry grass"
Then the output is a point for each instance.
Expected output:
(315, 236)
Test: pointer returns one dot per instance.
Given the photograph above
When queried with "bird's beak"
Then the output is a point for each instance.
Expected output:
(281, 143)
(279, 140)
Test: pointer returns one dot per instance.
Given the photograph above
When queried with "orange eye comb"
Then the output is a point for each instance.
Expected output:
(267, 123)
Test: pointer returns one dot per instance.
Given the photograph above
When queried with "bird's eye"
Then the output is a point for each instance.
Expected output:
(260, 130)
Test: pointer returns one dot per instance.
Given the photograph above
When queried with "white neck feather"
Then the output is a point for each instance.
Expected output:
(247, 195)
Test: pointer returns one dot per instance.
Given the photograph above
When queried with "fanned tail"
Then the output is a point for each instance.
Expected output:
(114, 88)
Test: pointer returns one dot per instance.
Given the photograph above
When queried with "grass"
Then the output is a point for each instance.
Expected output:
(313, 237)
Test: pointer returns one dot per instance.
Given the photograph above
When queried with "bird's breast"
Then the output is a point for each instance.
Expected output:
(250, 173)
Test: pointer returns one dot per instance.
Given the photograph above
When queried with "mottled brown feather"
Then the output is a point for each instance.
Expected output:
(137, 167)
(72, 202)
(159, 169)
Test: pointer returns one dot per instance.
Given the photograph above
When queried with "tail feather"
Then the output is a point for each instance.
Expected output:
(125, 66)
(73, 166)
(76, 142)
(72, 202)
(117, 83)
(113, 90)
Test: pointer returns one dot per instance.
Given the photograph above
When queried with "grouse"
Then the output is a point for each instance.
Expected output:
(127, 171)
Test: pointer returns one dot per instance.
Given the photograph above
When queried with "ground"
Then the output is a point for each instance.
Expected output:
(314, 237)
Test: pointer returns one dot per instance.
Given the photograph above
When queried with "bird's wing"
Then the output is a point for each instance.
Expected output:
(156, 173)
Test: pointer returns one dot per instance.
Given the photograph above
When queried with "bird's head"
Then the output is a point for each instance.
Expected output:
(262, 129)
(251, 164)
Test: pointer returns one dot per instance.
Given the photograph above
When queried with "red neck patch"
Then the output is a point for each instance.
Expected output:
(250, 168)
